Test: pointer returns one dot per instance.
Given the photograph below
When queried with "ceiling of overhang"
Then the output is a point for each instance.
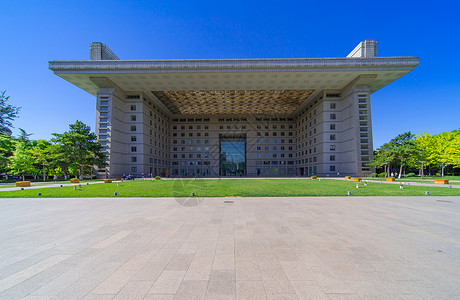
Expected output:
(233, 101)
(230, 81)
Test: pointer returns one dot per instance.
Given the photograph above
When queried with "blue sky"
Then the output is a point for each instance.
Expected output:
(35, 32)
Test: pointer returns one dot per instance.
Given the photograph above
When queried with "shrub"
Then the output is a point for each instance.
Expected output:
(410, 175)
(157, 177)
(381, 174)
(373, 175)
(438, 174)
(93, 176)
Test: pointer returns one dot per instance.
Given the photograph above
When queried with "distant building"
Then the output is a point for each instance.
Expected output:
(235, 117)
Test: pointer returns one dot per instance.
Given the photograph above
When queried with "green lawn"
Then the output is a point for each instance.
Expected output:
(234, 187)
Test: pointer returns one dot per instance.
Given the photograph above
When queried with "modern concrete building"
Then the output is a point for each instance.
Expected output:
(235, 117)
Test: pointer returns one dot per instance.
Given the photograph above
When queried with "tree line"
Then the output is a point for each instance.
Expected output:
(409, 151)
(75, 151)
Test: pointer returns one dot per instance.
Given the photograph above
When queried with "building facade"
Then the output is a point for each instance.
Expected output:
(235, 117)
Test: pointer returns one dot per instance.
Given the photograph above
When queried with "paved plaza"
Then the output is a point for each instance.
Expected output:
(230, 248)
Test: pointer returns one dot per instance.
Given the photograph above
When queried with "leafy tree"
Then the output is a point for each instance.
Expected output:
(6, 150)
(22, 160)
(24, 136)
(81, 145)
(40, 151)
(440, 150)
(403, 148)
(60, 159)
(383, 157)
(8, 113)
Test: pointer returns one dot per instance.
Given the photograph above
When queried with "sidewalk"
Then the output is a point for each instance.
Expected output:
(51, 185)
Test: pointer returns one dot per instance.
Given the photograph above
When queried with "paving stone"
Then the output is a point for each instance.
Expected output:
(192, 289)
(289, 248)
(250, 290)
(167, 283)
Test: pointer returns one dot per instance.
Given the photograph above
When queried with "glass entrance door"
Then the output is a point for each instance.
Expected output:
(233, 156)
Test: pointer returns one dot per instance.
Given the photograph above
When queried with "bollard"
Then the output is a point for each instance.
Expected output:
(401, 187)
(193, 194)
(365, 184)
(22, 189)
(74, 188)
(39, 194)
(450, 186)
(427, 193)
(115, 194)
(380, 182)
(357, 186)
(319, 179)
(118, 184)
(87, 183)
(61, 185)
(349, 193)
(79, 185)
(408, 183)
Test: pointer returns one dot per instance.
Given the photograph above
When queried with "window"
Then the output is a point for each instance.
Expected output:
(332, 137)
(332, 116)
(332, 158)
(133, 117)
(332, 127)
(133, 159)
(133, 107)
(133, 138)
(332, 147)
(133, 149)
(332, 106)
(134, 169)
(332, 168)
(133, 127)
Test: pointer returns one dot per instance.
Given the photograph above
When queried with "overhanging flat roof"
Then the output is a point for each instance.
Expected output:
(183, 81)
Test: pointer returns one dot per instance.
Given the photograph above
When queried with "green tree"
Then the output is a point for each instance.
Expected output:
(41, 152)
(6, 150)
(383, 157)
(80, 143)
(440, 150)
(403, 148)
(8, 113)
(22, 160)
(24, 136)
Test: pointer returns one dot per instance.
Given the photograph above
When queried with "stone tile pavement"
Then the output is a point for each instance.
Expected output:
(253, 248)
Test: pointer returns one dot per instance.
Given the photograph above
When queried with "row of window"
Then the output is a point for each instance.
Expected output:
(274, 162)
(192, 120)
(274, 155)
(191, 148)
(274, 133)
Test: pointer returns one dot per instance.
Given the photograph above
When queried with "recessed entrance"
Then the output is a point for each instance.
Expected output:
(232, 154)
